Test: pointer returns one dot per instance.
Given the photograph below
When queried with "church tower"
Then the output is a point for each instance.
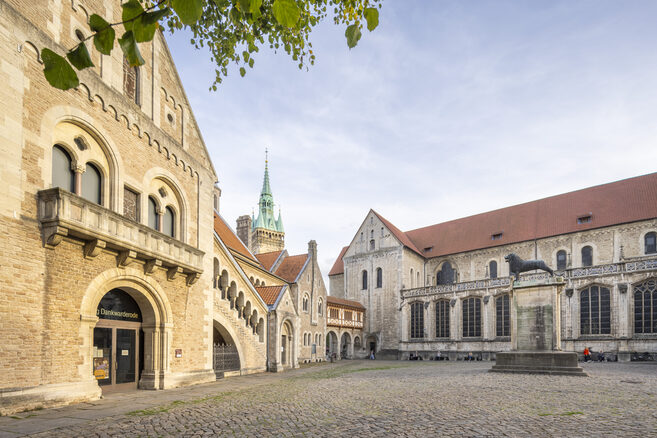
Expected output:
(267, 233)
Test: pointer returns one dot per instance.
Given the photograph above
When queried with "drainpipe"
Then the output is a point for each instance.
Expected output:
(267, 354)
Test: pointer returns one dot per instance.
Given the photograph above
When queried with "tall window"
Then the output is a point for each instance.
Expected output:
(91, 183)
(587, 256)
(442, 319)
(153, 215)
(305, 303)
(169, 222)
(561, 260)
(364, 279)
(412, 277)
(595, 316)
(372, 244)
(650, 242)
(502, 326)
(445, 275)
(62, 174)
(471, 317)
(417, 320)
(131, 81)
(645, 307)
(319, 307)
(379, 277)
(492, 269)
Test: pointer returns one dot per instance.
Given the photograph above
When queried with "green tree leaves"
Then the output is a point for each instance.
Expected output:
(189, 11)
(232, 30)
(286, 12)
(130, 50)
(372, 17)
(104, 37)
(353, 34)
(79, 57)
(58, 71)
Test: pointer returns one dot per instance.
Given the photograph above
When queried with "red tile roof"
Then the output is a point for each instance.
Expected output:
(624, 201)
(230, 239)
(344, 303)
(338, 266)
(267, 259)
(290, 267)
(269, 294)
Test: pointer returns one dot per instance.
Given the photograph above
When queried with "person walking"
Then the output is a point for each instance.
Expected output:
(587, 354)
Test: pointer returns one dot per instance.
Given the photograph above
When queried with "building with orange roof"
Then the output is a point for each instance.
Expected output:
(444, 287)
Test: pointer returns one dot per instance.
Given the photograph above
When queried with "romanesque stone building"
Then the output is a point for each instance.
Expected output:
(266, 233)
(445, 287)
(108, 239)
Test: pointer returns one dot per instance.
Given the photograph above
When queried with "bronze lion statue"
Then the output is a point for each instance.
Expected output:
(518, 265)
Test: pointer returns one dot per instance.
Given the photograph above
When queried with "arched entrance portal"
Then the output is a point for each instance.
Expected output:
(118, 342)
(226, 355)
(331, 344)
(371, 344)
(286, 344)
(345, 346)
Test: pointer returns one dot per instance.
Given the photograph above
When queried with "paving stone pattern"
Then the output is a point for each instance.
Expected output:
(376, 398)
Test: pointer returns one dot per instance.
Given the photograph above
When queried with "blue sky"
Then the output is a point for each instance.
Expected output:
(447, 109)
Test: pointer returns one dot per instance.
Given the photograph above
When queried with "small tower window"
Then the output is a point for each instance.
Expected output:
(379, 277)
(492, 269)
(650, 243)
(587, 256)
(561, 260)
(364, 275)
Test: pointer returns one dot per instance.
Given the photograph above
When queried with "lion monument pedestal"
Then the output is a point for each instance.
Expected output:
(536, 331)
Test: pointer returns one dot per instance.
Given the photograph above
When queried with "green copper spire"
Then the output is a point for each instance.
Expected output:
(266, 189)
(266, 217)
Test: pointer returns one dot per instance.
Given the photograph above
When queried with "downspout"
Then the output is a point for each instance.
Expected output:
(268, 316)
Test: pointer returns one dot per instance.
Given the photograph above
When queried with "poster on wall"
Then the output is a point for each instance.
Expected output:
(101, 368)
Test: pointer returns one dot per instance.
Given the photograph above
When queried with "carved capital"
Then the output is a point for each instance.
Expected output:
(151, 265)
(125, 258)
(93, 248)
(192, 278)
(53, 235)
(174, 272)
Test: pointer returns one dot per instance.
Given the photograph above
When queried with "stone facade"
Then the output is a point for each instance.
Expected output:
(107, 187)
(621, 265)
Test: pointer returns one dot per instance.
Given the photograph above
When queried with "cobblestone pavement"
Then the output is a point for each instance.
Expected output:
(377, 398)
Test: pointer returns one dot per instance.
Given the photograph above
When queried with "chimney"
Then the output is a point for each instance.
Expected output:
(312, 250)
(244, 230)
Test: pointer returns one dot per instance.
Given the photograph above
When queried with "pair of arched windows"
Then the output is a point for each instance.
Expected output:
(91, 180)
(305, 303)
(163, 222)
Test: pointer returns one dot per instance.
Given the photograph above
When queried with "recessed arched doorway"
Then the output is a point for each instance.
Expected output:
(331, 344)
(287, 344)
(345, 346)
(118, 342)
(226, 356)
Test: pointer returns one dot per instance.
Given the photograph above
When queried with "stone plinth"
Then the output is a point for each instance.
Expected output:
(536, 332)
(538, 362)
